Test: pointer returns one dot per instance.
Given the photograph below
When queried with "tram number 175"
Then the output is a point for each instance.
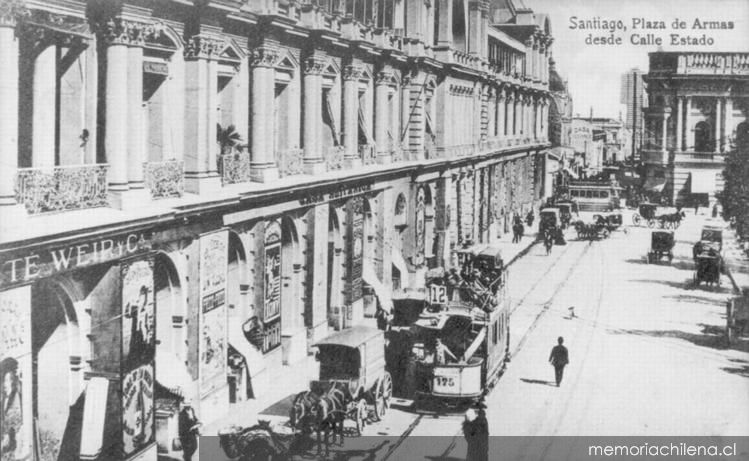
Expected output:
(437, 294)
(444, 381)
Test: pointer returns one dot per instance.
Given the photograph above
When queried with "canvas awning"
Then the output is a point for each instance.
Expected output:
(571, 173)
(171, 372)
(381, 291)
(654, 184)
(702, 182)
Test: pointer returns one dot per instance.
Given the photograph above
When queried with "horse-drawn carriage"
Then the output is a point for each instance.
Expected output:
(566, 209)
(596, 229)
(661, 245)
(614, 221)
(550, 222)
(707, 269)
(645, 212)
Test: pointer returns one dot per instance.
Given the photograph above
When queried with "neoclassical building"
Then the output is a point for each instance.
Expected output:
(698, 111)
(189, 184)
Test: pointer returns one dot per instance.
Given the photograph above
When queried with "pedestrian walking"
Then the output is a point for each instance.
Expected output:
(529, 218)
(383, 318)
(559, 358)
(548, 241)
(696, 207)
(189, 429)
(476, 432)
(715, 210)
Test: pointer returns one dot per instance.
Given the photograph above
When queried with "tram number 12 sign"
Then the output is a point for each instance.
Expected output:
(437, 294)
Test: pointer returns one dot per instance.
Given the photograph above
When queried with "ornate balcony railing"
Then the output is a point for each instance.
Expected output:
(368, 154)
(165, 179)
(334, 158)
(235, 167)
(62, 188)
(290, 162)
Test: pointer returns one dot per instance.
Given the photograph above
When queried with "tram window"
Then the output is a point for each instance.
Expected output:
(494, 333)
(588, 194)
(575, 193)
(604, 194)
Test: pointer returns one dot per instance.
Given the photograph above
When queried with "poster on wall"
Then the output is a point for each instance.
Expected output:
(15, 373)
(272, 279)
(138, 351)
(355, 253)
(213, 328)
(420, 218)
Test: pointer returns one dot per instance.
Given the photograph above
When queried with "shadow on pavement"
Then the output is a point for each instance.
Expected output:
(696, 299)
(741, 371)
(685, 285)
(712, 336)
(538, 381)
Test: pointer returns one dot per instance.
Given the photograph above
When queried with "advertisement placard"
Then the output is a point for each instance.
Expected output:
(213, 329)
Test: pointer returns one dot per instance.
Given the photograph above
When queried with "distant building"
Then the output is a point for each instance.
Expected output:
(699, 106)
(633, 96)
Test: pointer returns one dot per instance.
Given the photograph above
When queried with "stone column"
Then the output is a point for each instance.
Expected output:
(314, 162)
(679, 127)
(351, 76)
(664, 133)
(688, 126)
(44, 112)
(8, 112)
(382, 116)
(263, 167)
(502, 106)
(201, 175)
(135, 136)
(728, 128)
(115, 140)
(718, 110)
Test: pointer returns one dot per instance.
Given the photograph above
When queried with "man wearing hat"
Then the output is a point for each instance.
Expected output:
(559, 358)
(476, 432)
(189, 427)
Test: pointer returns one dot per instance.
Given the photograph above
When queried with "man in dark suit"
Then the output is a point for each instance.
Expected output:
(559, 358)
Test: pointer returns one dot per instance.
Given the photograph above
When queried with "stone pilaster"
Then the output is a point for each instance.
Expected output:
(679, 125)
(502, 108)
(718, 111)
(201, 169)
(314, 162)
(729, 128)
(382, 116)
(351, 76)
(263, 61)
(9, 56)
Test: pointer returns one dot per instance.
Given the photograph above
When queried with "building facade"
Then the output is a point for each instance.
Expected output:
(699, 107)
(633, 96)
(188, 182)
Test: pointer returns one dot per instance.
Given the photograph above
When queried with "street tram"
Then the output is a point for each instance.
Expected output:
(460, 344)
(595, 195)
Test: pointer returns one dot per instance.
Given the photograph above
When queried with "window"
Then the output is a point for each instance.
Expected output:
(702, 141)
(604, 194)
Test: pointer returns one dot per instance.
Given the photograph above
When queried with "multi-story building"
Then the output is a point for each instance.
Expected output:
(699, 106)
(633, 97)
(181, 179)
(616, 139)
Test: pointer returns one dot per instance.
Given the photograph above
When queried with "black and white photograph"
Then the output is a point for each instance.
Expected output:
(374, 230)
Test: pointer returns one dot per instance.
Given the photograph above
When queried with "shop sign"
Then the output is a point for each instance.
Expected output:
(340, 192)
(272, 335)
(44, 263)
(213, 329)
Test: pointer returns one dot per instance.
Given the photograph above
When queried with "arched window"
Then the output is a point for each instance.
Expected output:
(702, 141)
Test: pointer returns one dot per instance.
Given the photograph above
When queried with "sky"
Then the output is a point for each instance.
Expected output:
(594, 71)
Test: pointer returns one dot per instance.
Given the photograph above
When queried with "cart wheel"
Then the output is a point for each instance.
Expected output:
(651, 223)
(383, 395)
(636, 219)
(361, 415)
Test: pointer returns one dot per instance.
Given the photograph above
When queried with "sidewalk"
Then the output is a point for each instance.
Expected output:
(511, 252)
(736, 260)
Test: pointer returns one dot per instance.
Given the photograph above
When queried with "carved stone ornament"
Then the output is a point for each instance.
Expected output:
(11, 12)
(354, 73)
(384, 77)
(118, 31)
(314, 65)
(265, 57)
(202, 46)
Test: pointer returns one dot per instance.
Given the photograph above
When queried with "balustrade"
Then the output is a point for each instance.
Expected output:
(334, 158)
(165, 179)
(62, 188)
(290, 162)
(368, 154)
(235, 167)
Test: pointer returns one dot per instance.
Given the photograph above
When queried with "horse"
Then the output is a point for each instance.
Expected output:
(301, 416)
(328, 414)
(548, 242)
